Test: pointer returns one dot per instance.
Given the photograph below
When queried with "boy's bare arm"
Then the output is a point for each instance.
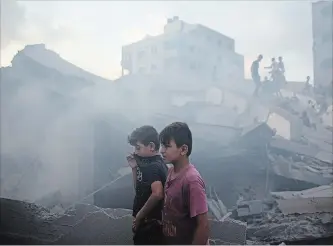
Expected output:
(157, 194)
(199, 210)
(201, 233)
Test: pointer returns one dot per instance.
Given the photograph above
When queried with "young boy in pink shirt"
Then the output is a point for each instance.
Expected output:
(185, 207)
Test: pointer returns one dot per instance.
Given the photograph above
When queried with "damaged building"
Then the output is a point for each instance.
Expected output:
(192, 50)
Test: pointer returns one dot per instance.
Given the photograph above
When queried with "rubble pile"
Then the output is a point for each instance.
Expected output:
(290, 217)
(276, 227)
(267, 189)
(26, 223)
(300, 162)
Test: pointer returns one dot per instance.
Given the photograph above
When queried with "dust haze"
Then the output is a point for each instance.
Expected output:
(49, 109)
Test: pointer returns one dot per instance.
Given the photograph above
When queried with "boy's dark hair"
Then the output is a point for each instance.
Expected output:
(144, 135)
(180, 133)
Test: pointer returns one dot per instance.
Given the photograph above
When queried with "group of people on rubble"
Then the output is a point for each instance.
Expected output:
(170, 204)
(277, 77)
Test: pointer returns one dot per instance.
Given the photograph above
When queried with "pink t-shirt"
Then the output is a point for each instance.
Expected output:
(185, 198)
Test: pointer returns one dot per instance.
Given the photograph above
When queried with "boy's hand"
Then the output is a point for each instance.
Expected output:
(131, 161)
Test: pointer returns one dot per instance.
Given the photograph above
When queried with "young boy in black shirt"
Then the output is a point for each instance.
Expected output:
(149, 175)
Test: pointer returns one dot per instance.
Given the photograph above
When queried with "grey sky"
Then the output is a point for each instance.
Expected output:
(90, 34)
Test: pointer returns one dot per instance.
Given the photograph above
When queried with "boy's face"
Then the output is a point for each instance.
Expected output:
(144, 151)
(171, 153)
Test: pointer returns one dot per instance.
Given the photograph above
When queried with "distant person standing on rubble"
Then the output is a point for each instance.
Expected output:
(274, 69)
(149, 176)
(255, 74)
(276, 76)
(307, 87)
(281, 69)
(185, 219)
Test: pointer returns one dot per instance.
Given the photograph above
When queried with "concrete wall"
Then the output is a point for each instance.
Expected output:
(322, 29)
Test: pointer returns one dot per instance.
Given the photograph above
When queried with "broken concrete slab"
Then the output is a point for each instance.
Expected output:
(320, 145)
(256, 134)
(306, 205)
(325, 156)
(320, 134)
(276, 227)
(304, 171)
(292, 147)
(321, 191)
(214, 210)
(99, 228)
(26, 223)
(249, 208)
(23, 223)
(50, 200)
(229, 231)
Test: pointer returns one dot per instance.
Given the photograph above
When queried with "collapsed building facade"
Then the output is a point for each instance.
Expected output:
(268, 175)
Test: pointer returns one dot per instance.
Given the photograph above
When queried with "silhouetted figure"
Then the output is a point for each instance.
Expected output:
(255, 74)
(281, 65)
(274, 69)
(307, 86)
(281, 70)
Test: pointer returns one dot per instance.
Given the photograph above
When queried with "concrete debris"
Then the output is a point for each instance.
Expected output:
(249, 208)
(23, 223)
(300, 171)
(259, 133)
(299, 161)
(229, 231)
(292, 147)
(321, 191)
(242, 164)
(26, 223)
(50, 200)
(221, 206)
(214, 210)
(306, 205)
(216, 207)
(275, 227)
(324, 156)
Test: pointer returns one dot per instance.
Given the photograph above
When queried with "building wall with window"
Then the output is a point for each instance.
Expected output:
(322, 29)
(185, 49)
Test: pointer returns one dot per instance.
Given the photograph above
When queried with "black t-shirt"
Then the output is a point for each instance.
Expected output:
(149, 170)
